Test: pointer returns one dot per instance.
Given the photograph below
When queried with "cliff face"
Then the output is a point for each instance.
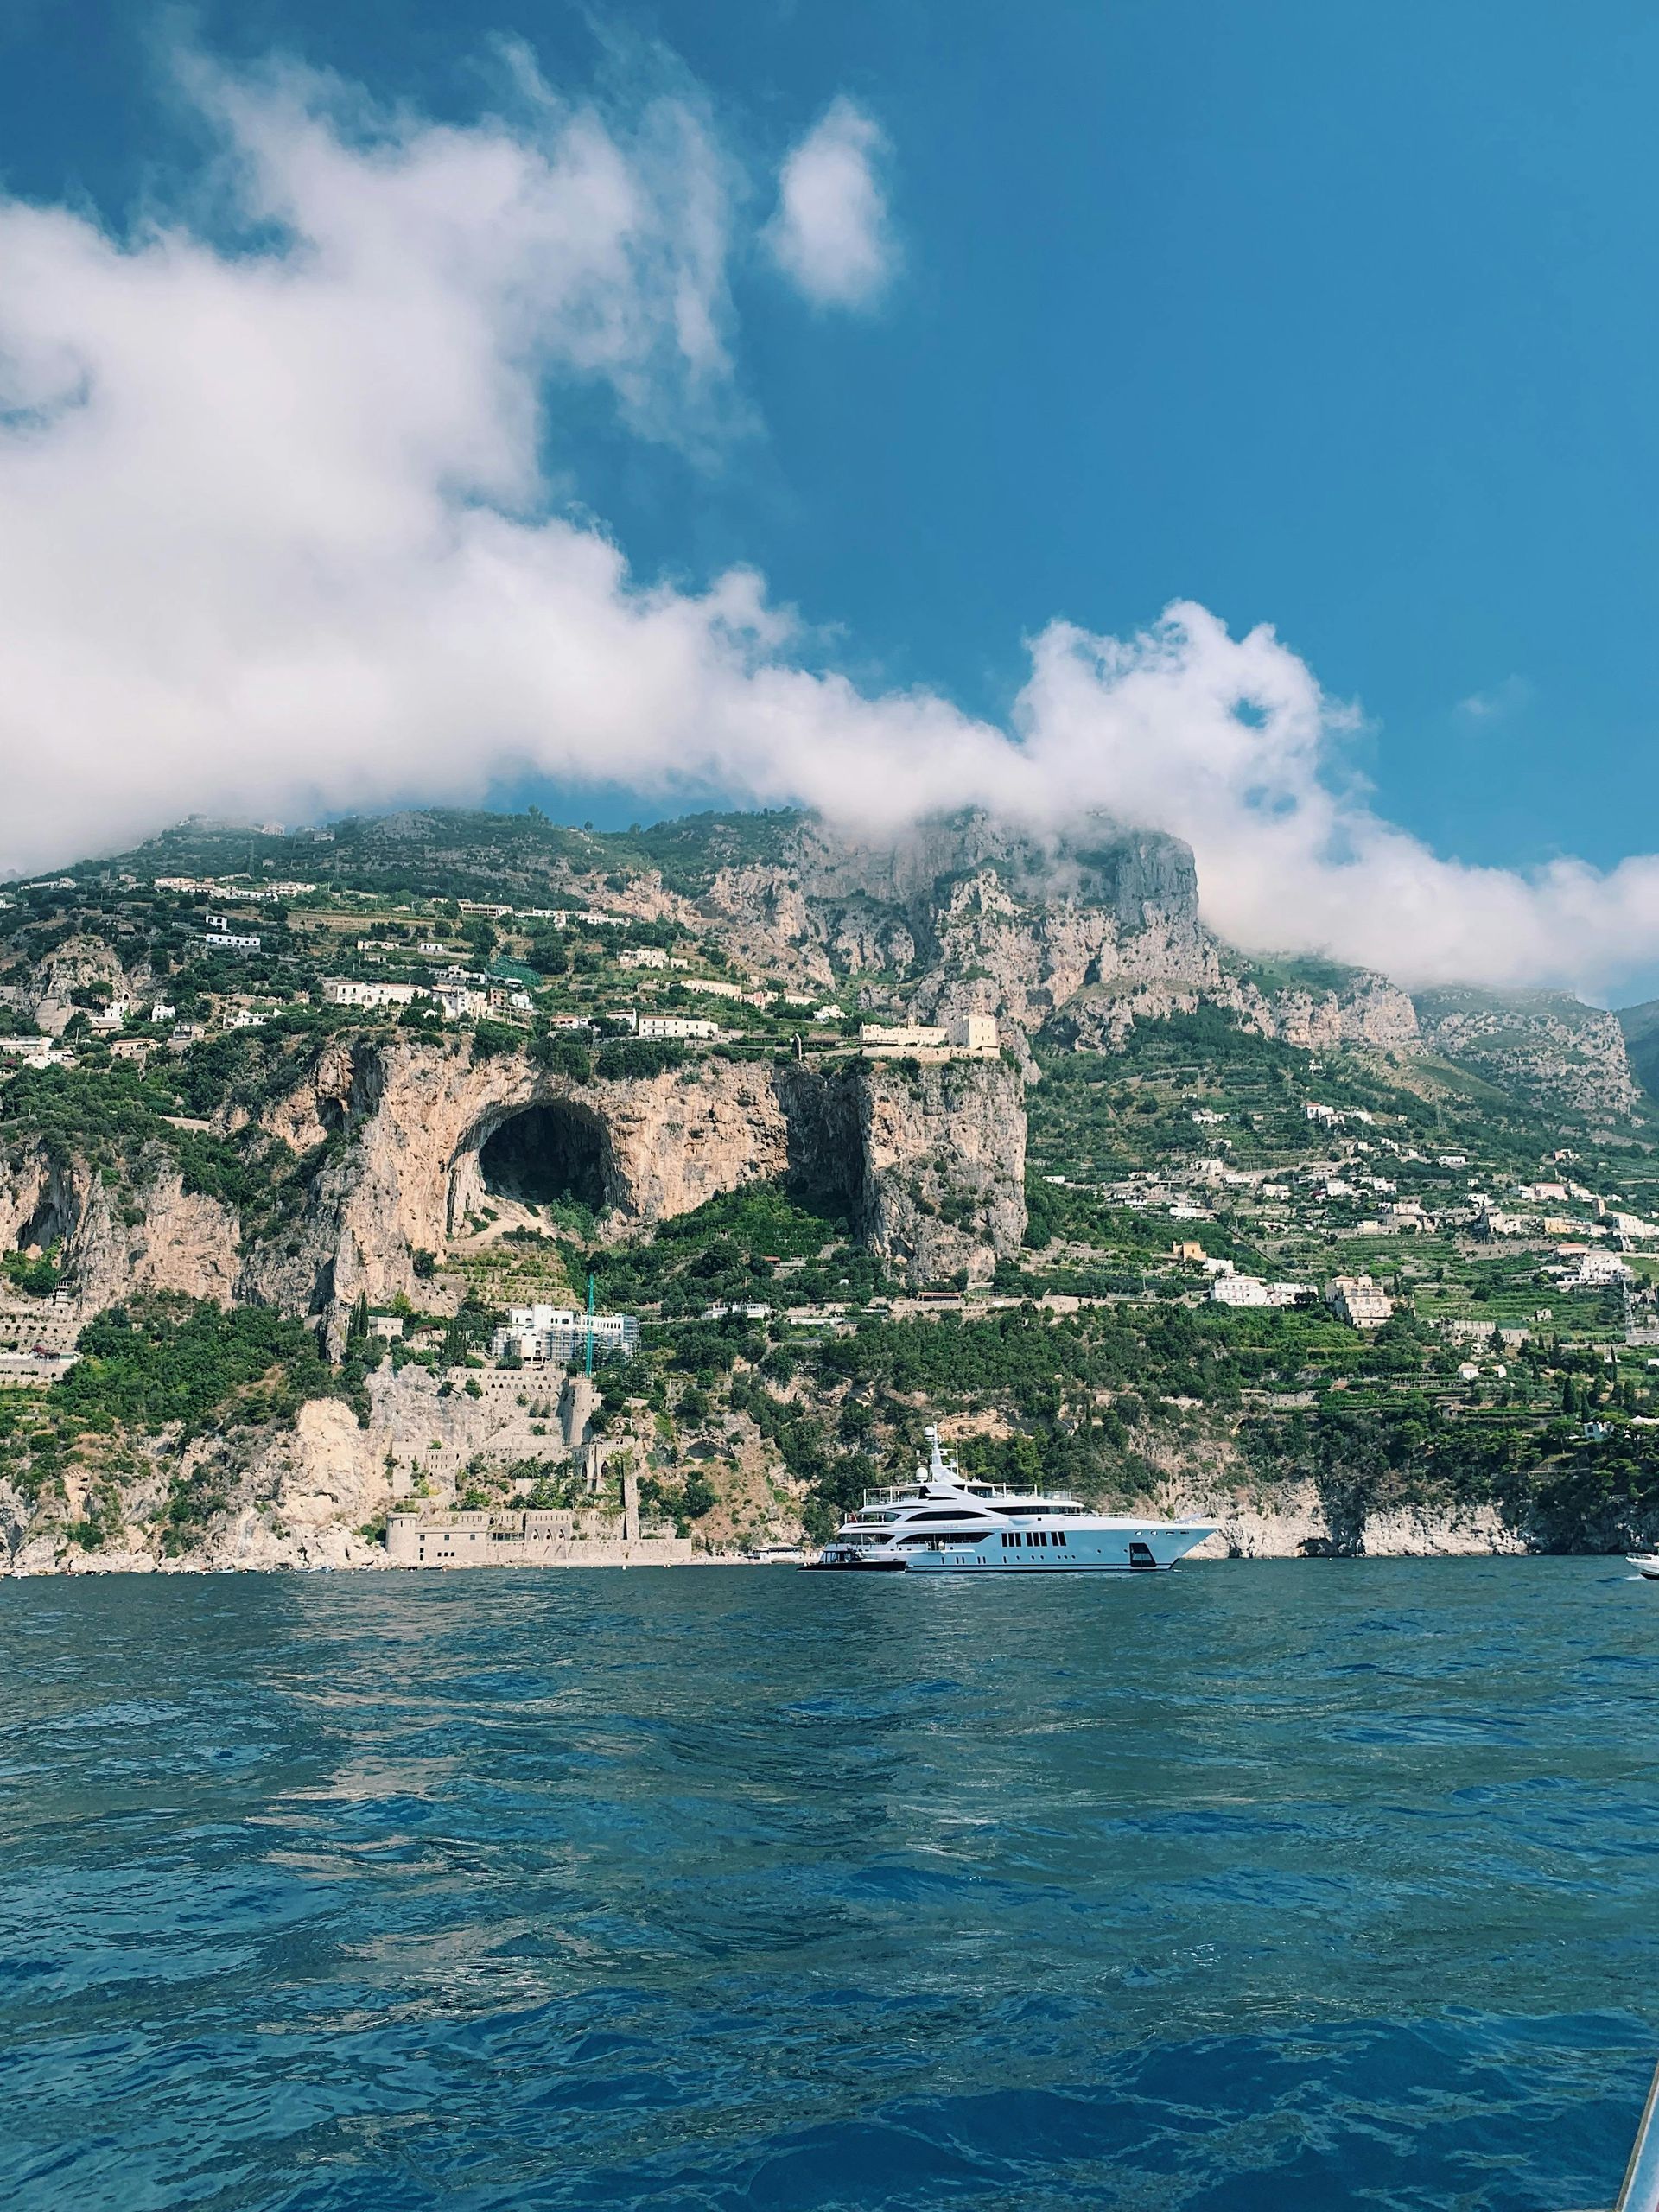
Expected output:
(182, 1241)
(932, 1162)
(166, 1239)
(1369, 1010)
(965, 915)
(80, 963)
(943, 1166)
(417, 1118)
(1543, 1044)
(1079, 935)
(301, 1498)
(1299, 1524)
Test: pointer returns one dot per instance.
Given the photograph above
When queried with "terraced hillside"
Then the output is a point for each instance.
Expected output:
(383, 1084)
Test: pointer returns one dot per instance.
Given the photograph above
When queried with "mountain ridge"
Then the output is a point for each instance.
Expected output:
(383, 1081)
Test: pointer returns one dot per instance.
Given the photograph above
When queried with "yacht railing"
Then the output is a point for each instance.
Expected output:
(1641, 2189)
(907, 1493)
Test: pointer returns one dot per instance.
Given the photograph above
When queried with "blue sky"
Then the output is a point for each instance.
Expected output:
(1339, 320)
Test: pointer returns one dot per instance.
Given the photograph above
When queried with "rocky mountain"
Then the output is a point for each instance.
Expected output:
(1069, 942)
(1075, 937)
(1546, 1046)
(1639, 1026)
(649, 1067)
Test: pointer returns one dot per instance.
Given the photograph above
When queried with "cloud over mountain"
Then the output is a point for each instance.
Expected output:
(279, 532)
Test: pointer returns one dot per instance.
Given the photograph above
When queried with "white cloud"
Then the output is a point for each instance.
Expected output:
(1230, 743)
(1505, 699)
(274, 539)
(831, 234)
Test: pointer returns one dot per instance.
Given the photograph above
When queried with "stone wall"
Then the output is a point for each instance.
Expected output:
(520, 1540)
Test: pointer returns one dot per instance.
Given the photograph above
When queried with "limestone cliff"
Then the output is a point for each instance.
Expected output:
(965, 915)
(932, 1162)
(1365, 1010)
(1545, 1045)
(416, 1116)
(941, 1164)
(1297, 1524)
(1079, 935)
(302, 1497)
(80, 964)
(153, 1235)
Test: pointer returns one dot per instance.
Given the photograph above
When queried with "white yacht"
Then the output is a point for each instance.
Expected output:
(946, 1522)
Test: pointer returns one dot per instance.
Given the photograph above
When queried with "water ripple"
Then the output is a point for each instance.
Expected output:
(1257, 1886)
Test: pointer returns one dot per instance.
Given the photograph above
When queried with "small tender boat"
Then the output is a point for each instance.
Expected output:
(1645, 1563)
(945, 1523)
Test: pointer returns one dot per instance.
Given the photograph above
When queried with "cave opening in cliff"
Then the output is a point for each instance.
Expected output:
(50, 1223)
(548, 1152)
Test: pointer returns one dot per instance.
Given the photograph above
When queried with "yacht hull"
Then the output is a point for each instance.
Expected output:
(1143, 1550)
(853, 1566)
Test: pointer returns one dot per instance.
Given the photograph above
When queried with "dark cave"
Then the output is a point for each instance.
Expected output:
(547, 1153)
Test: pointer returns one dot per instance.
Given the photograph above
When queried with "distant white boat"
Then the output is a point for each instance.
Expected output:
(1645, 1563)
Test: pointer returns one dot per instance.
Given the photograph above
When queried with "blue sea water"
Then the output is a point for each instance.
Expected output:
(1258, 1886)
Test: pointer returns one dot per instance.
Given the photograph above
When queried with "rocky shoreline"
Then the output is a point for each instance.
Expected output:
(1298, 1529)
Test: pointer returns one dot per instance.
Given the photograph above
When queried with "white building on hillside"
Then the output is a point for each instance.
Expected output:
(677, 1026)
(972, 1036)
(1362, 1303)
(1600, 1271)
(649, 956)
(1250, 1290)
(560, 1333)
(346, 990)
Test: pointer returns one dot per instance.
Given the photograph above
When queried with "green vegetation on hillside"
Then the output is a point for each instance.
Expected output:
(730, 1250)
(1191, 1149)
(111, 1118)
(170, 1368)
